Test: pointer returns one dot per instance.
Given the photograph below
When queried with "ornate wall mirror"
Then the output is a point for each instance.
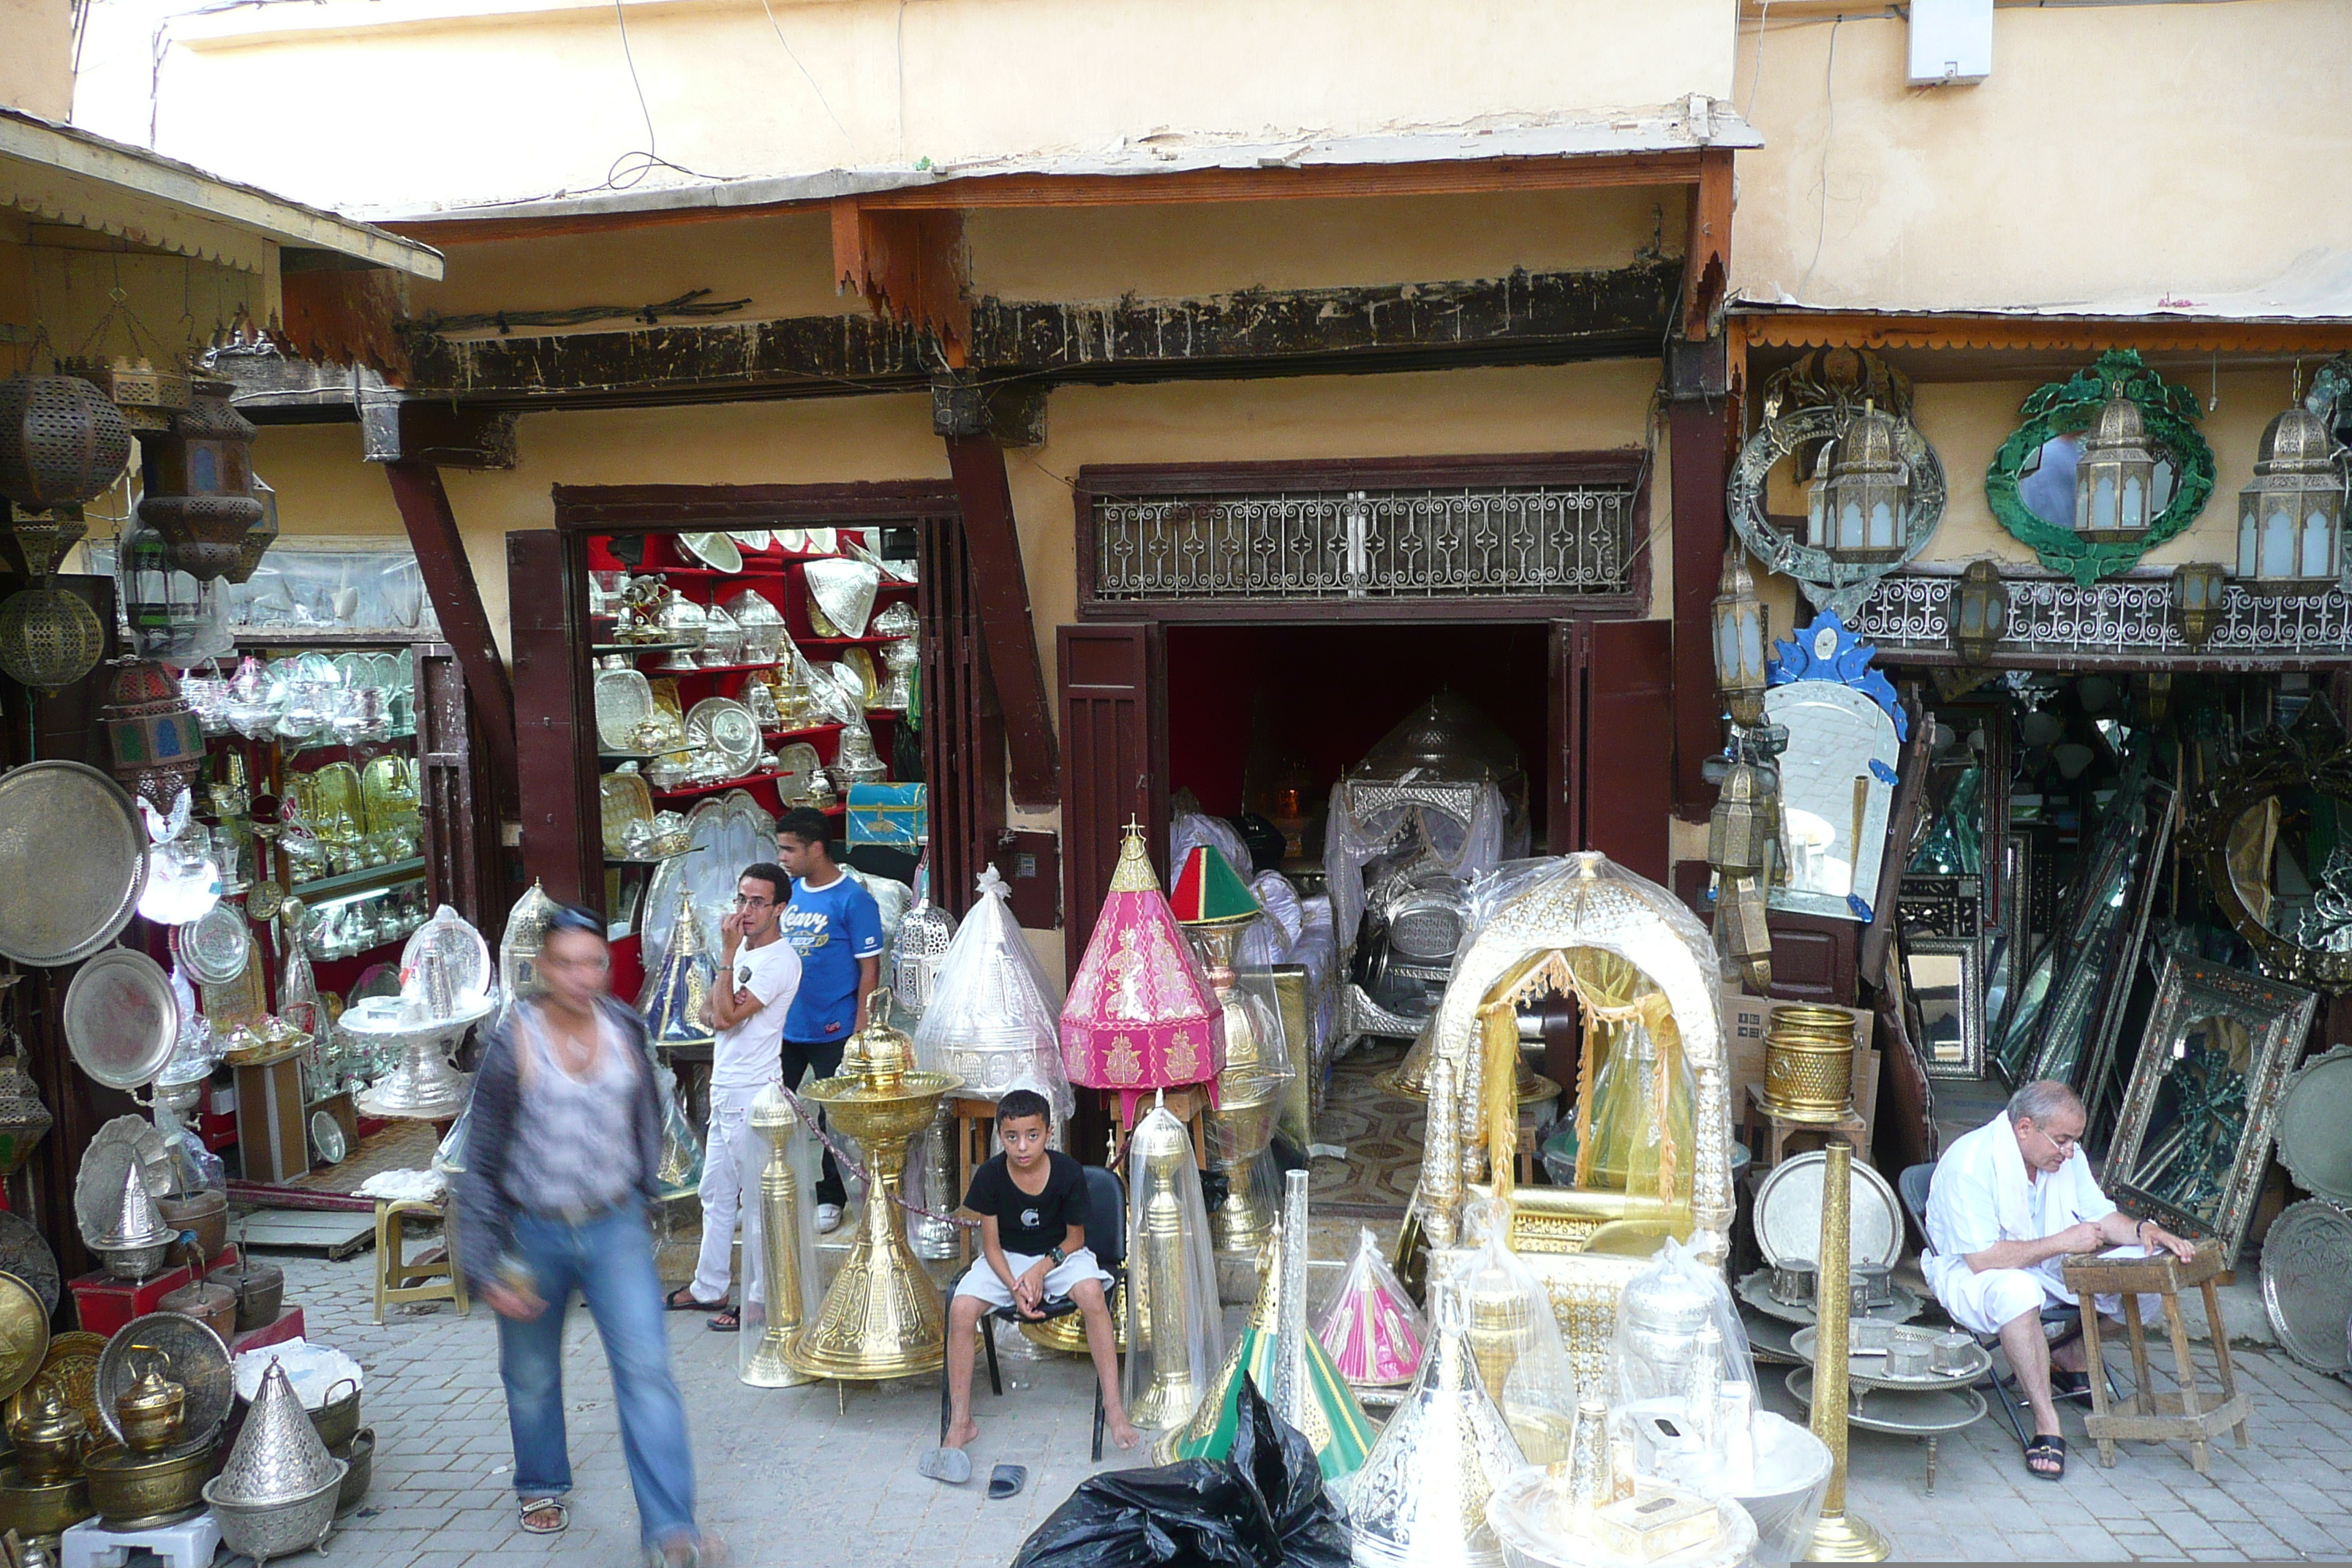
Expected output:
(2107, 465)
(1945, 978)
(1846, 729)
(2276, 845)
(2202, 1107)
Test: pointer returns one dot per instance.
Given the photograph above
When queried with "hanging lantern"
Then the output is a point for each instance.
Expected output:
(258, 538)
(2290, 514)
(1861, 507)
(1980, 612)
(1741, 926)
(147, 397)
(2197, 588)
(169, 614)
(199, 483)
(48, 638)
(2114, 478)
(1743, 829)
(61, 446)
(1743, 629)
(154, 737)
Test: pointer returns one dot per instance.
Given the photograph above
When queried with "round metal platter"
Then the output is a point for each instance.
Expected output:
(25, 1255)
(24, 1333)
(1901, 1412)
(1788, 1214)
(217, 944)
(2315, 1126)
(625, 699)
(716, 550)
(801, 763)
(728, 728)
(120, 1020)
(98, 1185)
(1755, 1289)
(1768, 1340)
(199, 1364)
(2307, 1283)
(73, 856)
(327, 1137)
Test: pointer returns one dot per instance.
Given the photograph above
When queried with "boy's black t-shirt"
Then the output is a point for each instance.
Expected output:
(1025, 1223)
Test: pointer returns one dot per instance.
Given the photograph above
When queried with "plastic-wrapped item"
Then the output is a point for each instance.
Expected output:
(993, 1018)
(1516, 1339)
(758, 1359)
(1680, 1352)
(1785, 1475)
(682, 1166)
(1175, 1328)
(1264, 1507)
(1372, 1328)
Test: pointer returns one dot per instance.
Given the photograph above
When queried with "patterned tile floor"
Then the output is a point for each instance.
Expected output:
(1382, 1132)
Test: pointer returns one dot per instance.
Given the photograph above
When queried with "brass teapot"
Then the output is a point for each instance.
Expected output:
(49, 1439)
(151, 1410)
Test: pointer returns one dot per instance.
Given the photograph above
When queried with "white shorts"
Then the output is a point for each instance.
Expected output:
(981, 1280)
(1984, 1300)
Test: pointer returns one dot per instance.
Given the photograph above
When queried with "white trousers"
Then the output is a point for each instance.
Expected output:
(1983, 1300)
(733, 1158)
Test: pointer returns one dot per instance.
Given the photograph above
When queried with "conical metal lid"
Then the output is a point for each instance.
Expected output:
(278, 1456)
(138, 1224)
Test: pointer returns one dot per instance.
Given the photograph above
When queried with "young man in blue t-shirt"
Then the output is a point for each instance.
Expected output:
(833, 923)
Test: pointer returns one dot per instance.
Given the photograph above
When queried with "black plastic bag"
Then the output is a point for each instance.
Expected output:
(1265, 1508)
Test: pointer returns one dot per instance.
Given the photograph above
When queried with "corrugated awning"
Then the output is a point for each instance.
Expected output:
(57, 174)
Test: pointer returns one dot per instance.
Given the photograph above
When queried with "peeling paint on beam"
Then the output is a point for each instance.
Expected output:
(852, 347)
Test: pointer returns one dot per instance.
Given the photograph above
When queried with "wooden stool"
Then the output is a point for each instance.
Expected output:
(1779, 1130)
(975, 1125)
(1190, 1106)
(2146, 1415)
(427, 1277)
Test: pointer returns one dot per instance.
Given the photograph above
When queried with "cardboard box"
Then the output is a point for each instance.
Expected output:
(1745, 1019)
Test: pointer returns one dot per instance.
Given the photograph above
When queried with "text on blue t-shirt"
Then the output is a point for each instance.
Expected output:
(832, 927)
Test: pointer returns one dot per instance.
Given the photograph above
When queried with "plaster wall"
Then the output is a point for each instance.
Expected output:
(2116, 150)
(37, 57)
(851, 83)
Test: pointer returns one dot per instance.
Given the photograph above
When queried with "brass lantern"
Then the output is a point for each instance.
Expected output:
(1862, 508)
(1743, 630)
(199, 484)
(1743, 928)
(1743, 829)
(2197, 599)
(1980, 612)
(61, 446)
(2114, 478)
(2290, 514)
(156, 741)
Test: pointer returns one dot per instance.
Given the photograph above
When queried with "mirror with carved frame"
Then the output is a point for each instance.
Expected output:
(2202, 1108)
(2276, 843)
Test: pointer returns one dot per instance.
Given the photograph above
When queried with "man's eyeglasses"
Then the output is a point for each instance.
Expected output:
(2065, 1143)
(743, 901)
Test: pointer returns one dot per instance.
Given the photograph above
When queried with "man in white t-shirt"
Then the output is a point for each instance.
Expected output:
(759, 974)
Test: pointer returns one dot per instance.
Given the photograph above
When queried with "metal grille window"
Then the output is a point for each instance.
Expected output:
(1547, 539)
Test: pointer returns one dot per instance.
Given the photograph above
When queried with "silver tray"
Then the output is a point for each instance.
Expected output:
(125, 1141)
(1753, 1289)
(1901, 1413)
(727, 727)
(2313, 1114)
(199, 1364)
(625, 699)
(800, 765)
(1871, 1370)
(216, 946)
(2307, 1283)
(24, 1254)
(1788, 1214)
(73, 856)
(120, 1019)
(1768, 1340)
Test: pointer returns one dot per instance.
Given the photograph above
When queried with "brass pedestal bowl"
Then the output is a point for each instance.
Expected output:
(882, 1318)
(138, 1492)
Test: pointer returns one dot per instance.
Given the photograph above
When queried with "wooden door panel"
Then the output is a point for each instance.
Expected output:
(962, 733)
(555, 734)
(1614, 717)
(1113, 740)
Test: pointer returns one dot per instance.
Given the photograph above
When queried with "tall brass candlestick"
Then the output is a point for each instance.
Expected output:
(1176, 1386)
(779, 1251)
(1839, 1537)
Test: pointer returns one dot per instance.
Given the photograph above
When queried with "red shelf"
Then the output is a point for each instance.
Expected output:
(690, 792)
(844, 642)
(813, 731)
(709, 669)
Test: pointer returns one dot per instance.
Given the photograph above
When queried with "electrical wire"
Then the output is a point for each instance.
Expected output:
(821, 99)
(1829, 132)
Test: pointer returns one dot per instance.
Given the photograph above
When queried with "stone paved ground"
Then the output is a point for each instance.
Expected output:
(790, 1478)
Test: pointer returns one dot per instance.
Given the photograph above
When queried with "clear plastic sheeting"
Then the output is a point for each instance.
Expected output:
(798, 1158)
(1192, 828)
(1681, 1355)
(1175, 1328)
(682, 1166)
(1370, 1327)
(994, 1017)
(1779, 1476)
(1368, 825)
(1515, 1338)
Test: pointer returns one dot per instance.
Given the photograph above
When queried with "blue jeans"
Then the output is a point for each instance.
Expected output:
(611, 1259)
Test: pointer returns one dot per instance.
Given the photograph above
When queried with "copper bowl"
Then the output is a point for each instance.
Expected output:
(207, 1214)
(132, 1491)
(34, 1510)
(214, 1306)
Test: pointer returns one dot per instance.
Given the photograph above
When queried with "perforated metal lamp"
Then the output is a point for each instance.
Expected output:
(2197, 588)
(1743, 630)
(1980, 612)
(1864, 503)
(2290, 514)
(1743, 828)
(2114, 478)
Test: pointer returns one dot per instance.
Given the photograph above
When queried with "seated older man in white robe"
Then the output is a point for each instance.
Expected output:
(2010, 1203)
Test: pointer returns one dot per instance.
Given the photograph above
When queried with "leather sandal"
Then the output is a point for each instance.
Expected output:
(682, 1301)
(2045, 1447)
(531, 1505)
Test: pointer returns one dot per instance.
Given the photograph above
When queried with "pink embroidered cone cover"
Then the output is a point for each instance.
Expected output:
(1140, 1016)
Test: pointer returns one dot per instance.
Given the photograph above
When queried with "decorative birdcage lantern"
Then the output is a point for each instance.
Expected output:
(48, 638)
(199, 483)
(2197, 587)
(1743, 630)
(155, 740)
(1743, 829)
(147, 397)
(2114, 478)
(1859, 505)
(61, 445)
(1980, 612)
(2290, 514)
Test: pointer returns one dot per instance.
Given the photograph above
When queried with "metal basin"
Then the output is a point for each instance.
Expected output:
(36, 1510)
(359, 1455)
(132, 1492)
(338, 1420)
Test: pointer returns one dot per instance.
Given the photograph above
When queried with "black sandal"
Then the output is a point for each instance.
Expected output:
(727, 1322)
(2046, 1448)
(2066, 1385)
(682, 1301)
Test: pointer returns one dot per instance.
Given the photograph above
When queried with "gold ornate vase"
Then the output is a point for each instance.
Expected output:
(1809, 1064)
(1249, 1096)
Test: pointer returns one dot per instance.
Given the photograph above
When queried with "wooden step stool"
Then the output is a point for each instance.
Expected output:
(1777, 1130)
(430, 1276)
(2146, 1415)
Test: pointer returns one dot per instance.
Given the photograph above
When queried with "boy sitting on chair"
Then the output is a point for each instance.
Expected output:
(1031, 1202)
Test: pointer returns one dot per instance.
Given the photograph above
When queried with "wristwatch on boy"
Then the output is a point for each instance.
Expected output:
(1057, 1255)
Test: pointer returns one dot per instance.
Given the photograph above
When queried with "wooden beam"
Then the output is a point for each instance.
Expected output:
(457, 601)
(1707, 244)
(547, 592)
(1002, 587)
(908, 266)
(1313, 181)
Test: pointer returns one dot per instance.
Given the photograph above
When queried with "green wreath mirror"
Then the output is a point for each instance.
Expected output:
(2107, 466)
